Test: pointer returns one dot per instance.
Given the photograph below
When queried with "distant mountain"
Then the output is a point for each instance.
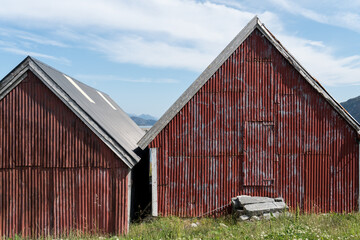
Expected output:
(143, 119)
(146, 116)
(353, 107)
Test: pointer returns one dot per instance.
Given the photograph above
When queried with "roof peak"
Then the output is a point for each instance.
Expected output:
(47, 65)
(113, 127)
(253, 24)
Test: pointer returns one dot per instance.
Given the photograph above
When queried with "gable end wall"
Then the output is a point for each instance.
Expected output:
(256, 105)
(56, 175)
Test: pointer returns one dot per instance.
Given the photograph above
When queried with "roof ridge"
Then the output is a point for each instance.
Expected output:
(74, 79)
(77, 81)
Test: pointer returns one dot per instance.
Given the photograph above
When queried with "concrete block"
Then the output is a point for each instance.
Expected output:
(260, 208)
(245, 200)
(244, 218)
(245, 207)
(281, 205)
(254, 218)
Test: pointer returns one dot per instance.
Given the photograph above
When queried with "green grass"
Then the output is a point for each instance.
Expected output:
(304, 226)
(329, 226)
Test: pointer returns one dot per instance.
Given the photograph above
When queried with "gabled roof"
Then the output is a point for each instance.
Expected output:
(216, 64)
(95, 108)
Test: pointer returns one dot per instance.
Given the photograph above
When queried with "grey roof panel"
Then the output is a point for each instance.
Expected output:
(216, 64)
(116, 123)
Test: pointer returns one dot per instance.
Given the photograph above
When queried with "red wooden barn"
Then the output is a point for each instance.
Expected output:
(67, 153)
(254, 122)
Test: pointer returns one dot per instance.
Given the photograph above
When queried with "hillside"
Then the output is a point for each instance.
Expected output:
(143, 119)
(353, 107)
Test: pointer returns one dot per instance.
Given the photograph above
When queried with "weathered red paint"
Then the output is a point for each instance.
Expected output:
(56, 175)
(256, 127)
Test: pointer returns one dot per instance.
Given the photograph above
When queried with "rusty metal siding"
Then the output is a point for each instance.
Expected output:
(259, 154)
(201, 153)
(56, 175)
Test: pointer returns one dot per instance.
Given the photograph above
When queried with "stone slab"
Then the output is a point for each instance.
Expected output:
(281, 205)
(245, 200)
(260, 208)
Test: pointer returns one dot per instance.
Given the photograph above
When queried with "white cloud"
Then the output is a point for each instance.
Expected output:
(19, 51)
(317, 58)
(177, 34)
(230, 3)
(23, 35)
(163, 50)
(154, 53)
(180, 19)
(321, 63)
(345, 15)
(25, 43)
(295, 8)
(100, 78)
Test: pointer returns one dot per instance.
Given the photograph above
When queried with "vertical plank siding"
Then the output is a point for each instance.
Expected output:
(202, 154)
(56, 175)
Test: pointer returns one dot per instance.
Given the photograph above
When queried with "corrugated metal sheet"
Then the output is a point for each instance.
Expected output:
(56, 175)
(255, 105)
(259, 154)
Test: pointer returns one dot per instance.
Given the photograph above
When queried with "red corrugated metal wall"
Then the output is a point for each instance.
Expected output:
(256, 105)
(56, 175)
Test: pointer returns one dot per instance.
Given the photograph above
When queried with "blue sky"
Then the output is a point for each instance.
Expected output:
(145, 53)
